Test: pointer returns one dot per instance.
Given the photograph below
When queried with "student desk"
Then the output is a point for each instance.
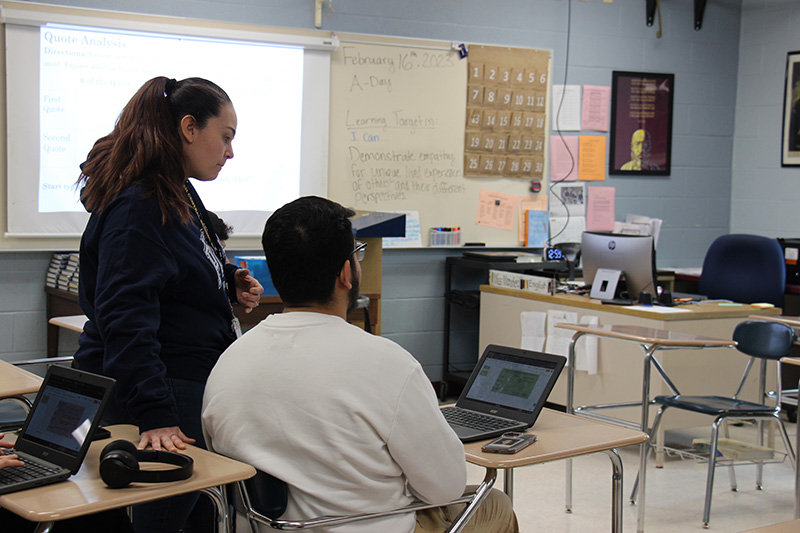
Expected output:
(651, 341)
(619, 376)
(85, 493)
(72, 322)
(795, 361)
(14, 382)
(563, 436)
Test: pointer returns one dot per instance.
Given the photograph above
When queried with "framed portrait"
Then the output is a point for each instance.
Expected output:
(641, 123)
(790, 140)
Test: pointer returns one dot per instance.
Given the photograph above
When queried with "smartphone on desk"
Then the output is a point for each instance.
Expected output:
(509, 442)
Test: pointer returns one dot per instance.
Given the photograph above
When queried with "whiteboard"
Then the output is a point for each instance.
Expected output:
(396, 143)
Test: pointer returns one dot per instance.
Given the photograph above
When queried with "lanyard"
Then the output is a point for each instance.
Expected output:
(214, 243)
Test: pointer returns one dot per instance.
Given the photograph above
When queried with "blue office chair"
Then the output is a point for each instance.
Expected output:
(764, 340)
(745, 269)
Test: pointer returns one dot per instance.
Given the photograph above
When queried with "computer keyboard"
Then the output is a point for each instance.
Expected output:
(30, 470)
(471, 419)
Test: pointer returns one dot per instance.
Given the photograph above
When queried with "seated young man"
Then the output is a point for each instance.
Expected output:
(347, 419)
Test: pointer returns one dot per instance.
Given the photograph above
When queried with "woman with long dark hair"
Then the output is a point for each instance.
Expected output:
(154, 282)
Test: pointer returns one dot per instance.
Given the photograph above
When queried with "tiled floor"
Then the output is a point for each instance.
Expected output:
(674, 500)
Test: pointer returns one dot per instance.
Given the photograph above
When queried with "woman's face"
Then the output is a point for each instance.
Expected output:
(206, 149)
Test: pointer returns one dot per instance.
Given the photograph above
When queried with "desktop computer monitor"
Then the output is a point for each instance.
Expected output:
(633, 255)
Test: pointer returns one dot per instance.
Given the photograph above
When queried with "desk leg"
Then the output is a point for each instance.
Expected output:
(645, 446)
(480, 494)
(570, 411)
(220, 503)
(44, 527)
(616, 491)
(508, 483)
(797, 469)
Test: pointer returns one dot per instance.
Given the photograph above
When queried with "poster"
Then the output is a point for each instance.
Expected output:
(641, 123)
(790, 146)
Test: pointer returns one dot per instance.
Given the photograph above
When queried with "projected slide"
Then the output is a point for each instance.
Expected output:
(87, 76)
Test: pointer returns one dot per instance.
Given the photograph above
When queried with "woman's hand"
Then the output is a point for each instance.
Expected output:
(248, 290)
(171, 439)
(8, 460)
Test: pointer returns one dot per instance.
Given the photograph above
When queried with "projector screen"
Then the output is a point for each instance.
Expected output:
(67, 84)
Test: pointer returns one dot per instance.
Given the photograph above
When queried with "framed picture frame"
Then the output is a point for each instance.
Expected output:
(641, 123)
(790, 139)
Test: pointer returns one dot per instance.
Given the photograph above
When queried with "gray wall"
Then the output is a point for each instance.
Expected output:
(764, 197)
(694, 201)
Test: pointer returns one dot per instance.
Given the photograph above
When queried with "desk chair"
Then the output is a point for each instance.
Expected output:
(764, 340)
(745, 269)
(362, 302)
(263, 499)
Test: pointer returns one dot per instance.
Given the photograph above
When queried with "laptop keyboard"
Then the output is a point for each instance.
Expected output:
(28, 471)
(471, 419)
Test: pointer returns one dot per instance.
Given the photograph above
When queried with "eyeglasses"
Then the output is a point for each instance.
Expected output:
(360, 250)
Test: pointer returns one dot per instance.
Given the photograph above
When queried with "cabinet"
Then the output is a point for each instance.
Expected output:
(463, 278)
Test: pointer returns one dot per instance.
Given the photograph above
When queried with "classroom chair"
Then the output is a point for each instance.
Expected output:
(263, 498)
(759, 339)
(744, 269)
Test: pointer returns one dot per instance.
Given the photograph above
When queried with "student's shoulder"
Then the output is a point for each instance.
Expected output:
(386, 350)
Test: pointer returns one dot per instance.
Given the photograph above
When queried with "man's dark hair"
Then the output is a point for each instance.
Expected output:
(306, 243)
(222, 230)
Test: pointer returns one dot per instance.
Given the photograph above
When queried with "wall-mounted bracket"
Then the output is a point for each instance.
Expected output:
(651, 12)
(318, 13)
(699, 10)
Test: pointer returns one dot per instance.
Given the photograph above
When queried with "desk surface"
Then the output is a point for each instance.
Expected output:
(702, 310)
(654, 336)
(792, 321)
(85, 493)
(699, 311)
(72, 322)
(14, 381)
(561, 436)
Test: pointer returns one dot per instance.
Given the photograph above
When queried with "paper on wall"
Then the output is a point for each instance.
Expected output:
(566, 110)
(557, 338)
(533, 333)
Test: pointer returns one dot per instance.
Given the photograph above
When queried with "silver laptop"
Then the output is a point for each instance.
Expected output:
(506, 392)
(59, 429)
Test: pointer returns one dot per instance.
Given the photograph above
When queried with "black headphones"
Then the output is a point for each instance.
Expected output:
(119, 465)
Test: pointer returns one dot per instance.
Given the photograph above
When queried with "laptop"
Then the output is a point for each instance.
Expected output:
(59, 428)
(506, 392)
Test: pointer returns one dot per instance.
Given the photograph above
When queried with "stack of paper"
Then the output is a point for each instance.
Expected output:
(639, 225)
(57, 264)
(68, 277)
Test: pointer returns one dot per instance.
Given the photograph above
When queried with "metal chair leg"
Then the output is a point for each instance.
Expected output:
(731, 471)
(712, 463)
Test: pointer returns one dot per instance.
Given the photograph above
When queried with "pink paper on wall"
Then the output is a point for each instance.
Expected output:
(563, 158)
(595, 112)
(600, 209)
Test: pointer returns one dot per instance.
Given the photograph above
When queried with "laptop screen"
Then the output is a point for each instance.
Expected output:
(511, 381)
(64, 414)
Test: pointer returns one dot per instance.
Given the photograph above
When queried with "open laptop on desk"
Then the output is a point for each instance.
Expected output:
(506, 392)
(59, 428)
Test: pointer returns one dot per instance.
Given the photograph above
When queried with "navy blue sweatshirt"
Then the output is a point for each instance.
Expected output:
(156, 301)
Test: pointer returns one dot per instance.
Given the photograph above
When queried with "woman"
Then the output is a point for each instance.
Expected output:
(154, 283)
